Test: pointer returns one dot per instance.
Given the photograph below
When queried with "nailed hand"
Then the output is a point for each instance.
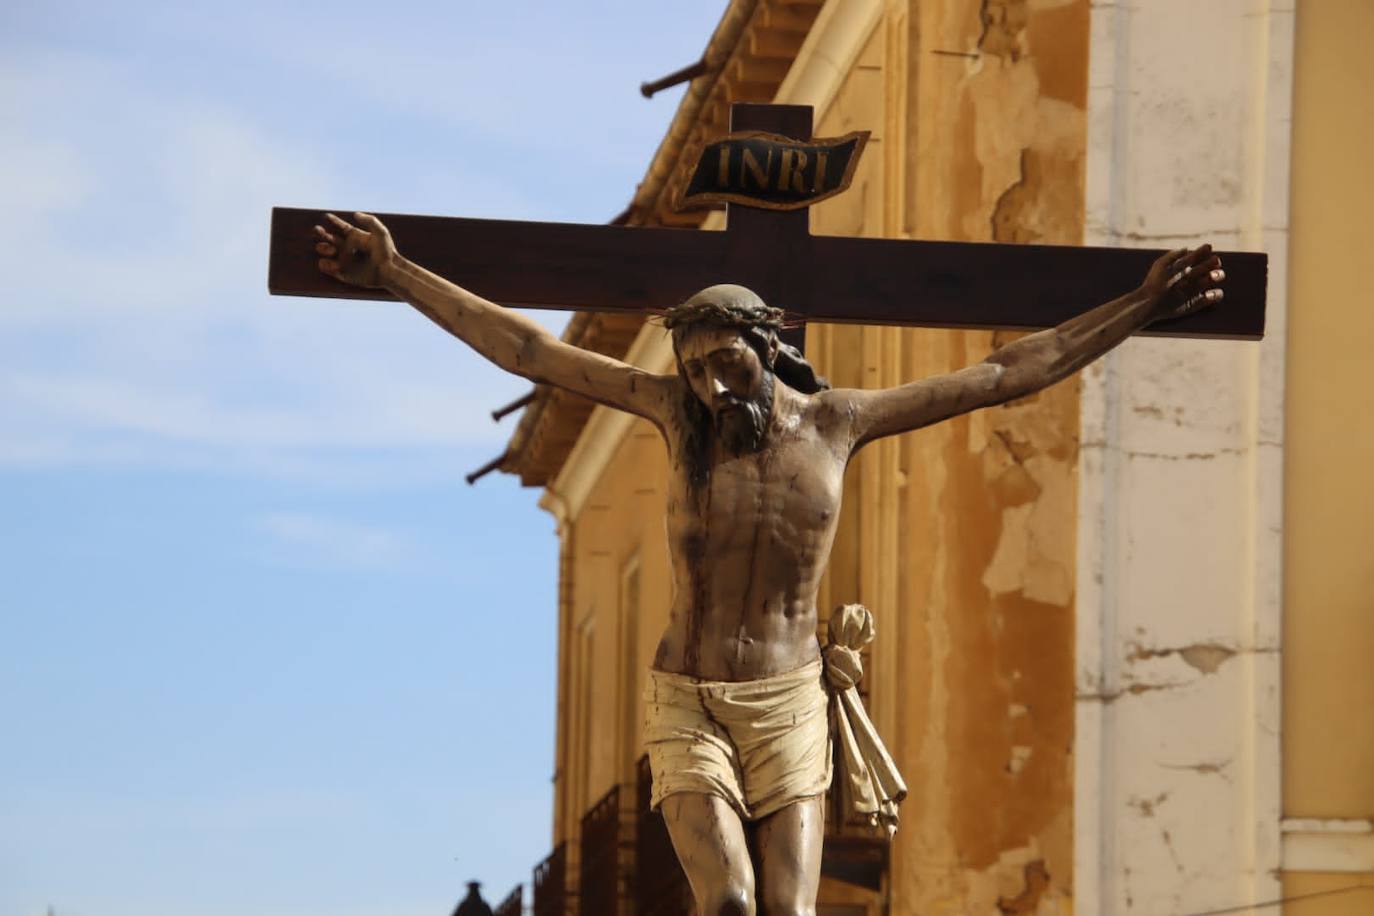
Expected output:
(1183, 281)
(352, 254)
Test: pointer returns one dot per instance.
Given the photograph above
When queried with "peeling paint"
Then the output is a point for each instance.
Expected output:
(1004, 26)
(1204, 657)
(1037, 880)
(1013, 216)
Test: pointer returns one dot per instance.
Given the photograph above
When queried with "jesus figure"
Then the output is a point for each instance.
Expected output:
(742, 703)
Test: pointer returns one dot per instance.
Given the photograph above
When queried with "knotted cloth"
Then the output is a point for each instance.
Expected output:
(868, 780)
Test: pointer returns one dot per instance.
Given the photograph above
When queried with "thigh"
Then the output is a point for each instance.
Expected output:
(710, 843)
(789, 846)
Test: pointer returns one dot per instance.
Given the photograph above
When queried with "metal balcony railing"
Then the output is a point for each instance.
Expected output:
(551, 897)
(513, 905)
(606, 868)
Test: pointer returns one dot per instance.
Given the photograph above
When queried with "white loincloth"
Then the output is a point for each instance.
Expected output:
(761, 745)
(764, 744)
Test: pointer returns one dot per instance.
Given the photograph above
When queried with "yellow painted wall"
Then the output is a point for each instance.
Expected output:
(1328, 670)
(617, 537)
(961, 538)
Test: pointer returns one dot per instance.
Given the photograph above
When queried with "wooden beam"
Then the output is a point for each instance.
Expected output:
(822, 278)
(789, 17)
(739, 91)
(776, 43)
(770, 70)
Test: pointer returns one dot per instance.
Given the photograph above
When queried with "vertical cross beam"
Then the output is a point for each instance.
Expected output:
(754, 232)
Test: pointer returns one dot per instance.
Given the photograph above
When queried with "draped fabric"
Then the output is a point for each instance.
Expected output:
(865, 774)
(764, 744)
(761, 745)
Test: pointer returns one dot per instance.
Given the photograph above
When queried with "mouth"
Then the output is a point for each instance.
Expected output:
(730, 407)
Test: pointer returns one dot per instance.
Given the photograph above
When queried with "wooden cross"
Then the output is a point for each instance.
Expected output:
(816, 278)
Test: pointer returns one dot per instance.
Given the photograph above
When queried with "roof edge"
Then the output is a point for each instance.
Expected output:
(719, 49)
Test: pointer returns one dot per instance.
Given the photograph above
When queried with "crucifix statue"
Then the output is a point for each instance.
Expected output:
(746, 714)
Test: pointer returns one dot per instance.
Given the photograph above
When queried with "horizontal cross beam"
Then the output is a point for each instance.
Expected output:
(817, 278)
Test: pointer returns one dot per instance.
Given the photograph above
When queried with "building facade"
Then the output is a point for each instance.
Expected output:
(1124, 625)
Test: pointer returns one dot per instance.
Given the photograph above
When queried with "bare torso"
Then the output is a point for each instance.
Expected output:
(748, 548)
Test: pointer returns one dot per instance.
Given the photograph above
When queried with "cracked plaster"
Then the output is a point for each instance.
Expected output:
(1179, 474)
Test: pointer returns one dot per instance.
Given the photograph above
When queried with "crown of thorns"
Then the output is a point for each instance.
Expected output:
(731, 306)
(727, 314)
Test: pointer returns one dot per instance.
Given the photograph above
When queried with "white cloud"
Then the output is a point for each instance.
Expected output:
(173, 194)
(400, 414)
(300, 538)
(136, 325)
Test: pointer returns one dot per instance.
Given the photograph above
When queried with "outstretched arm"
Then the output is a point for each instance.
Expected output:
(1178, 282)
(366, 256)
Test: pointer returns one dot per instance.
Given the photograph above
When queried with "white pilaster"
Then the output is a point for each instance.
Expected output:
(1177, 792)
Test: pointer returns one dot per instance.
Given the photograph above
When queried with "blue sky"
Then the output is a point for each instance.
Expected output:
(263, 650)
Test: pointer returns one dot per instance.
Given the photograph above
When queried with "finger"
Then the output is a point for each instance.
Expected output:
(1198, 255)
(326, 249)
(1167, 261)
(330, 267)
(368, 220)
(1199, 300)
(1195, 266)
(325, 234)
(1175, 265)
(344, 225)
(1207, 274)
(1206, 265)
(1204, 275)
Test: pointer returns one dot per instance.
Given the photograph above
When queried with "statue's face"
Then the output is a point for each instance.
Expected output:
(731, 381)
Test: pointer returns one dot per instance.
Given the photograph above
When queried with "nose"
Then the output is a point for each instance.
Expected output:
(713, 384)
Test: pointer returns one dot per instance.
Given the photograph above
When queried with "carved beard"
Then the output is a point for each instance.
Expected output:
(742, 423)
